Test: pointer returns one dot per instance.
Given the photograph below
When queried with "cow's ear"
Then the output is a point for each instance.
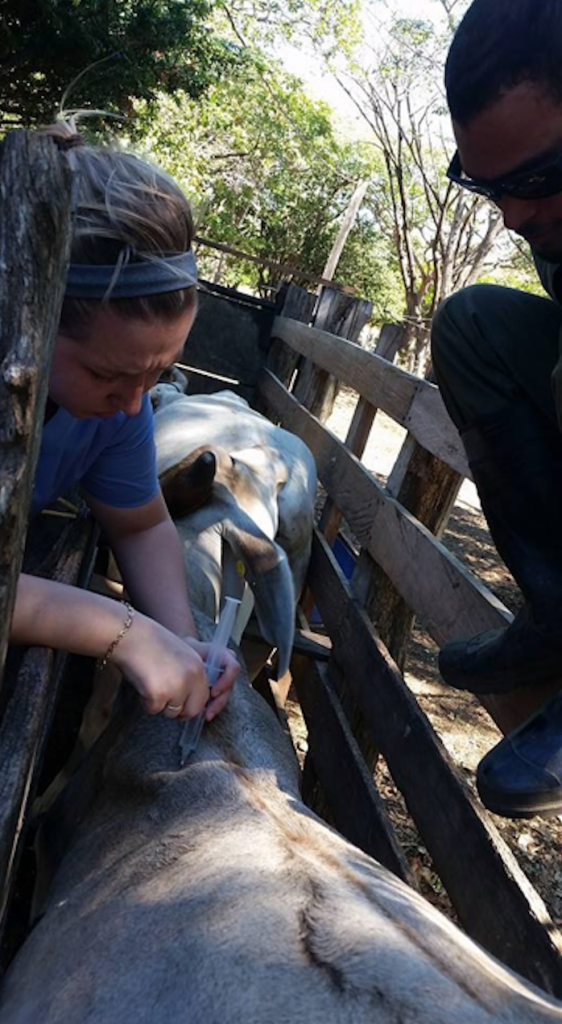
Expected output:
(189, 485)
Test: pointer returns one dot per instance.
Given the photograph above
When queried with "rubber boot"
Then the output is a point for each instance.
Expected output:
(522, 775)
(516, 462)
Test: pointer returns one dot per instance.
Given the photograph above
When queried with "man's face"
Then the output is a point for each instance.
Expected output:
(523, 127)
(107, 366)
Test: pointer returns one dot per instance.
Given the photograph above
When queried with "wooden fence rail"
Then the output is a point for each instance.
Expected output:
(448, 599)
(35, 223)
(414, 403)
(494, 900)
(63, 551)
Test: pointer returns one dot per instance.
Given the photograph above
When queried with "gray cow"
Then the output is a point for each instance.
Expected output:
(212, 895)
(255, 509)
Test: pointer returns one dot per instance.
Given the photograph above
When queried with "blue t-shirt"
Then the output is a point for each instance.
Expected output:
(113, 459)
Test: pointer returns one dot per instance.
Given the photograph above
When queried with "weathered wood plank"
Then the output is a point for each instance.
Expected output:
(494, 900)
(441, 591)
(297, 304)
(35, 209)
(361, 425)
(427, 488)
(357, 809)
(345, 317)
(414, 403)
(364, 415)
(31, 698)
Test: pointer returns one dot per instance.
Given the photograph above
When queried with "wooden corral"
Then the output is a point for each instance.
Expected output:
(415, 574)
(289, 361)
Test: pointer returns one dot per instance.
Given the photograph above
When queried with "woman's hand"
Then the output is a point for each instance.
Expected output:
(167, 672)
(228, 672)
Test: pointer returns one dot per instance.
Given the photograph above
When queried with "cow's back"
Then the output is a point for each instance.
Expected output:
(211, 894)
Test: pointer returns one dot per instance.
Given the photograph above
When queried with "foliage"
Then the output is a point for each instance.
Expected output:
(268, 175)
(265, 24)
(444, 238)
(515, 270)
(127, 49)
(267, 170)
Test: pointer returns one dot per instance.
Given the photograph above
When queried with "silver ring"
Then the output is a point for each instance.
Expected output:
(172, 709)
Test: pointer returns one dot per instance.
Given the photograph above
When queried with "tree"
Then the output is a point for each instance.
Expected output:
(116, 50)
(444, 238)
(264, 24)
(269, 175)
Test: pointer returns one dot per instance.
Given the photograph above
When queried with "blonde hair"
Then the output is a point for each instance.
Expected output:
(126, 207)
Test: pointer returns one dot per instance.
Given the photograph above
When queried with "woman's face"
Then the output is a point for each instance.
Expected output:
(108, 365)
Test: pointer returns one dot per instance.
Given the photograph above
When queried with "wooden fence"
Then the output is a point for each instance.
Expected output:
(494, 900)
(35, 210)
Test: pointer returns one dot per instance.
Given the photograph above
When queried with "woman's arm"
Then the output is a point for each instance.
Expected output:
(150, 557)
(162, 668)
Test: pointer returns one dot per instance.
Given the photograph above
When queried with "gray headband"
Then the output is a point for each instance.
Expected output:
(132, 280)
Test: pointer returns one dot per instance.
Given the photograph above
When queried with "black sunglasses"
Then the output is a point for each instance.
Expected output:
(538, 182)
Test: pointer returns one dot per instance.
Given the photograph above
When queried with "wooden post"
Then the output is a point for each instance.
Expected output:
(35, 209)
(338, 313)
(428, 489)
(342, 315)
(296, 304)
(360, 427)
(330, 520)
(347, 223)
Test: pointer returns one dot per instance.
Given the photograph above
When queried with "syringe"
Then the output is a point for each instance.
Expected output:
(191, 733)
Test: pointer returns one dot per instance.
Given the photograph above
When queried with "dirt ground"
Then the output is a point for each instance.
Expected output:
(463, 725)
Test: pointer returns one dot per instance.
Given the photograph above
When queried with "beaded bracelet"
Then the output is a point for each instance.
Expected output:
(102, 662)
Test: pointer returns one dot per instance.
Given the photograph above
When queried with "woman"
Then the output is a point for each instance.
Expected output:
(129, 305)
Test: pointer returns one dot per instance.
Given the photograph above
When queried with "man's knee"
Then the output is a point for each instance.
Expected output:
(487, 324)
(451, 337)
(471, 349)
(454, 322)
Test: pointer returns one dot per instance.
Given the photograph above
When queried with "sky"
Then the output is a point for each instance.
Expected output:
(324, 87)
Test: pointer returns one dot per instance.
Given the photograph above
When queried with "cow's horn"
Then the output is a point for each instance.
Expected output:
(269, 575)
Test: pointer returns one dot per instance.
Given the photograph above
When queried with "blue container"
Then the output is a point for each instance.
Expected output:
(346, 560)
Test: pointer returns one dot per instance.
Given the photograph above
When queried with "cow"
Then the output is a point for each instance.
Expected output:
(211, 894)
(241, 491)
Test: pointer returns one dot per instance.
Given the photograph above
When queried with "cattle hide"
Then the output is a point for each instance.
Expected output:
(211, 895)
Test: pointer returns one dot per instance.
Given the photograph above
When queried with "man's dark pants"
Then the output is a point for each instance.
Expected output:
(496, 354)
(491, 345)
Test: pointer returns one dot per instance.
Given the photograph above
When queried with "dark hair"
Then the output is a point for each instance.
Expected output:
(498, 45)
(123, 201)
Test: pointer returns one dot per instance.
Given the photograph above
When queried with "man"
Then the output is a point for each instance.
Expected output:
(497, 359)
